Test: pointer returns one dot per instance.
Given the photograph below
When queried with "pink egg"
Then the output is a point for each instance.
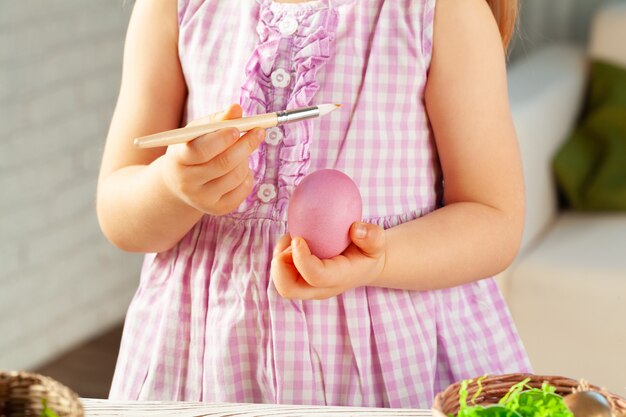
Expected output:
(322, 209)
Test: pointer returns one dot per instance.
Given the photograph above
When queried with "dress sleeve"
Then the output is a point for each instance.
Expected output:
(182, 5)
(186, 8)
(428, 21)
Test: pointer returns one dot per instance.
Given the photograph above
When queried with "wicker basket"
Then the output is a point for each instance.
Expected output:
(494, 387)
(22, 394)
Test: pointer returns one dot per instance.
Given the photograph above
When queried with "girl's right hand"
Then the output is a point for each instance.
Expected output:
(211, 173)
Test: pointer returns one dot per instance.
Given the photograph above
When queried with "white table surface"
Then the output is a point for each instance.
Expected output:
(101, 408)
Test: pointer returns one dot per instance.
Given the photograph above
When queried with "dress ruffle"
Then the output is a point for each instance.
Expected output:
(311, 48)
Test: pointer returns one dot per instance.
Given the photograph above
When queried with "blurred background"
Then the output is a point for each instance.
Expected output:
(64, 289)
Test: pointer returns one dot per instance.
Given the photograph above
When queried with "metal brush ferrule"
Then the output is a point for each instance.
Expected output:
(288, 116)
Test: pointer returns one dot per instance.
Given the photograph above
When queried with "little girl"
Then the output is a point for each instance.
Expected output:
(230, 308)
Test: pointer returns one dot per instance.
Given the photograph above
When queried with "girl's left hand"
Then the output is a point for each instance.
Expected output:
(298, 274)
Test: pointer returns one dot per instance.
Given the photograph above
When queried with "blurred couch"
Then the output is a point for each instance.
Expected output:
(567, 289)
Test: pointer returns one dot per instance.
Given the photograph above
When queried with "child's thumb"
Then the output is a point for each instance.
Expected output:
(233, 111)
(369, 238)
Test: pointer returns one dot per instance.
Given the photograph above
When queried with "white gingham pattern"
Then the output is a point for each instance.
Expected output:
(207, 324)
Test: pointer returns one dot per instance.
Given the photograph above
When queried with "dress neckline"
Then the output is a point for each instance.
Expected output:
(303, 6)
(297, 7)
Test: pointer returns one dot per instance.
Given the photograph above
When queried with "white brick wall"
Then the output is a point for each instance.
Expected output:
(61, 282)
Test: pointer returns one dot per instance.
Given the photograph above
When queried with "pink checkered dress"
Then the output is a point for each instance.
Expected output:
(207, 324)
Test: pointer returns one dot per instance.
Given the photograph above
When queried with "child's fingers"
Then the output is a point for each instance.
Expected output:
(283, 243)
(188, 151)
(233, 111)
(369, 238)
(227, 183)
(289, 280)
(282, 270)
(238, 152)
(232, 199)
(310, 266)
(297, 288)
(223, 150)
(204, 148)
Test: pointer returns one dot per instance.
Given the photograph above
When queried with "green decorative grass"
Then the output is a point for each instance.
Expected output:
(521, 401)
(46, 412)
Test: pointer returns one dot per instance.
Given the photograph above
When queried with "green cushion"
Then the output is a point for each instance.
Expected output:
(590, 167)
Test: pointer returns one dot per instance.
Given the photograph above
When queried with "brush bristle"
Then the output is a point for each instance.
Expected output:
(327, 108)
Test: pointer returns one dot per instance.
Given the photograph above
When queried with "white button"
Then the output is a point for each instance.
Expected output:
(288, 25)
(266, 193)
(280, 78)
(274, 136)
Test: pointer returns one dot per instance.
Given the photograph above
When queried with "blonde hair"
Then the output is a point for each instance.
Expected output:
(505, 12)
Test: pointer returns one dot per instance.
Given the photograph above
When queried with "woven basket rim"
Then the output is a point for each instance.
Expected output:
(23, 392)
(494, 386)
